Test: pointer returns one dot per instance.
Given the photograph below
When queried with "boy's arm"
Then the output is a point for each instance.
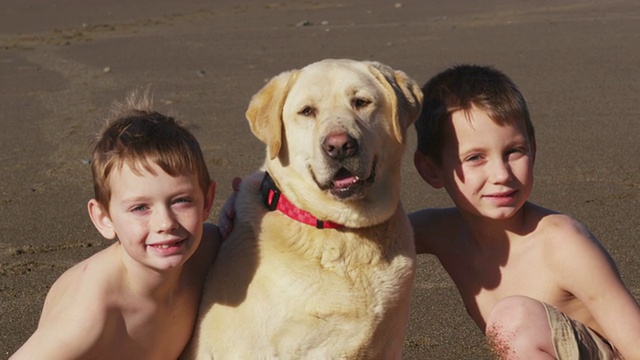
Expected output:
(228, 210)
(432, 228)
(588, 272)
(55, 342)
(67, 329)
(422, 226)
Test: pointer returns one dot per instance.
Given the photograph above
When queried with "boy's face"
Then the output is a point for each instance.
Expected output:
(157, 218)
(486, 168)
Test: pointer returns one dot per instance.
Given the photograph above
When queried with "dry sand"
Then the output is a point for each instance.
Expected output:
(61, 66)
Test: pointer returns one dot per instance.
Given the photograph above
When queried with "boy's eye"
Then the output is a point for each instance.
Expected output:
(515, 153)
(182, 201)
(473, 158)
(138, 208)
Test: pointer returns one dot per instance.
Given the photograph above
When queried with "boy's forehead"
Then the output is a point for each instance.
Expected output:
(137, 167)
(134, 170)
(477, 114)
(125, 175)
(146, 168)
(476, 124)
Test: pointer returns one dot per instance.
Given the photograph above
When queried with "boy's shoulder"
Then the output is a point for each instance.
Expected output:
(552, 224)
(562, 237)
(433, 227)
(76, 304)
(88, 278)
(433, 216)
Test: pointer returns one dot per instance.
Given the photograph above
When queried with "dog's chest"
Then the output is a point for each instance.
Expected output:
(289, 290)
(329, 286)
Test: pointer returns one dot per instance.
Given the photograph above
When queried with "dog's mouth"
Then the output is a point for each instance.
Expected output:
(346, 185)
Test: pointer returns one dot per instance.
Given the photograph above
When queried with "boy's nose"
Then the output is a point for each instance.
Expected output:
(500, 171)
(165, 220)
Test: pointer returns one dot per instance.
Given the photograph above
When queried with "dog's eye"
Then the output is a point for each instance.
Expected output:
(307, 111)
(359, 103)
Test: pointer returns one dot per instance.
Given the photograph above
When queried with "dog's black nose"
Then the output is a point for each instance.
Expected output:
(339, 146)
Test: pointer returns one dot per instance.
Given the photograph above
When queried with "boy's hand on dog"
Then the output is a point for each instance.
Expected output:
(228, 211)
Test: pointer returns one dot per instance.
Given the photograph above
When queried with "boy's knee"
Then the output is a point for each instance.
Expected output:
(514, 312)
(519, 325)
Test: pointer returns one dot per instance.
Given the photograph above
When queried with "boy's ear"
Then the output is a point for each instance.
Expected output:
(428, 170)
(533, 145)
(101, 220)
(208, 200)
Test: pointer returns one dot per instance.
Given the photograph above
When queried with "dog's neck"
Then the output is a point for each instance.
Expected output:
(273, 199)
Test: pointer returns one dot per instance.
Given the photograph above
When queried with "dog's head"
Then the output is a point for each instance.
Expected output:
(335, 133)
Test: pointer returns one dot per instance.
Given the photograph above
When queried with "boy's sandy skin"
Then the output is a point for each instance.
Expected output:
(506, 254)
(138, 298)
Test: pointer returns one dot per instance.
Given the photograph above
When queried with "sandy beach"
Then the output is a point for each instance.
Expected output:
(63, 64)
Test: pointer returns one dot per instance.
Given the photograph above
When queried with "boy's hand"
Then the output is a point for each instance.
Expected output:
(228, 211)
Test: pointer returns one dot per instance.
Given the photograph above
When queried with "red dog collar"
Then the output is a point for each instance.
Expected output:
(273, 199)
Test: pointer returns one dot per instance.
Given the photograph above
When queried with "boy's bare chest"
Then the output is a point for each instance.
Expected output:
(483, 280)
(152, 331)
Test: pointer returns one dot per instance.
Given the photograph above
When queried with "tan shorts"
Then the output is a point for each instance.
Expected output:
(573, 340)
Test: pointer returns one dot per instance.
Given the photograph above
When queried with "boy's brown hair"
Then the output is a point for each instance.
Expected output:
(136, 135)
(460, 88)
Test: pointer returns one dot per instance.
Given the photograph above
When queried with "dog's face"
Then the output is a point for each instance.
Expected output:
(335, 135)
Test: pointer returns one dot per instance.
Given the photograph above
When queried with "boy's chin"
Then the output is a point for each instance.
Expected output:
(501, 214)
(168, 262)
(167, 265)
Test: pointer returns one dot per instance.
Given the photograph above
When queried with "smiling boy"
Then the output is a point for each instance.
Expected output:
(138, 298)
(536, 282)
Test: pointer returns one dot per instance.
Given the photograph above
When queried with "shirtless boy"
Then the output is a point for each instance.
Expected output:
(138, 298)
(536, 282)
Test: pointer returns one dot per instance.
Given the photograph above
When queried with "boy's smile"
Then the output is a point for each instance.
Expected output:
(487, 168)
(502, 199)
(167, 247)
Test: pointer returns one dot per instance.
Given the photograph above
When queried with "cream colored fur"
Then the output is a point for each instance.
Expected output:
(280, 289)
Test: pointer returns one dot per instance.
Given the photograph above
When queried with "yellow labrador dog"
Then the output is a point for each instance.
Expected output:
(320, 264)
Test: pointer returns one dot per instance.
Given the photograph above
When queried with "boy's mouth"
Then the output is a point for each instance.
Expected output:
(503, 198)
(502, 194)
(166, 245)
(163, 246)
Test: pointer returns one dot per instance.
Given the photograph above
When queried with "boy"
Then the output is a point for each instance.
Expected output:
(536, 282)
(138, 298)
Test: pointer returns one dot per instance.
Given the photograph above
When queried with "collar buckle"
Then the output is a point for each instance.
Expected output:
(270, 192)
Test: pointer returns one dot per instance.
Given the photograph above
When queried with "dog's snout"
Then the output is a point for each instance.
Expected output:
(340, 146)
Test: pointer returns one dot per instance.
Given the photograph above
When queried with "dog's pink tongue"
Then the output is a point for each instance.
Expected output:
(344, 179)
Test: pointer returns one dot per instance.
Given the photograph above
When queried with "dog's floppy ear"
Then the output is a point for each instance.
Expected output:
(404, 95)
(265, 111)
